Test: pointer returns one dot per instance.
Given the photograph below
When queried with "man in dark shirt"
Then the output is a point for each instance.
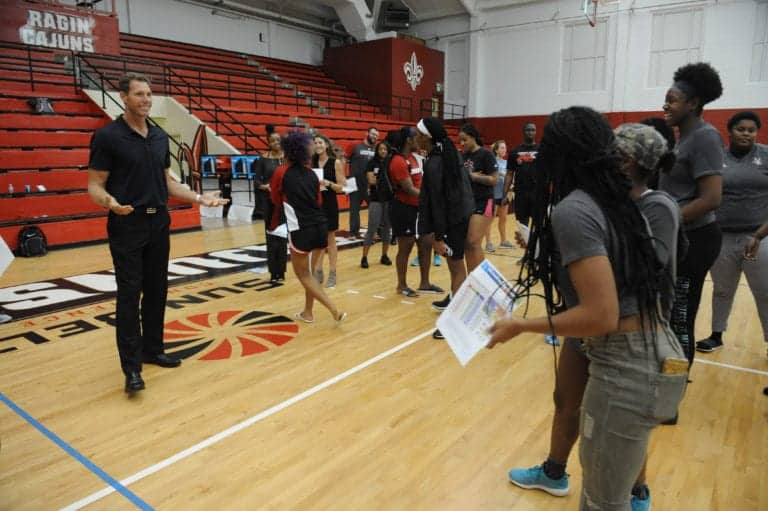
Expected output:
(129, 175)
(522, 163)
(359, 156)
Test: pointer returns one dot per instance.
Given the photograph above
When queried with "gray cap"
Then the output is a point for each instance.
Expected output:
(642, 143)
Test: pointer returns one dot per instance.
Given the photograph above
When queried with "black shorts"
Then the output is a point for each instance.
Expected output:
(403, 218)
(456, 238)
(309, 238)
(484, 207)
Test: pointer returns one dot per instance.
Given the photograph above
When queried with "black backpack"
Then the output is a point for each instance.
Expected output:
(384, 189)
(32, 242)
(41, 105)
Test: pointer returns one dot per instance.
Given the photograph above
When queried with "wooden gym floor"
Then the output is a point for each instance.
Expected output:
(267, 413)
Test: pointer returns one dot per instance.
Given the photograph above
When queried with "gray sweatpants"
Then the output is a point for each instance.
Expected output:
(378, 215)
(726, 273)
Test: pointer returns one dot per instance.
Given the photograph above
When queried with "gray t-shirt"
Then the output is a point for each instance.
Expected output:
(745, 191)
(358, 161)
(699, 154)
(664, 219)
(581, 230)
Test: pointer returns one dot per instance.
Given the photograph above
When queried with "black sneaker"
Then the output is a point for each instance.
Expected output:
(386, 261)
(441, 305)
(364, 262)
(709, 345)
(437, 334)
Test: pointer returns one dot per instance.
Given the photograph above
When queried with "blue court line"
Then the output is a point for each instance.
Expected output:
(79, 457)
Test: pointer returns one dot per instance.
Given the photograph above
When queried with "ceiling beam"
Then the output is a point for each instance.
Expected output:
(470, 6)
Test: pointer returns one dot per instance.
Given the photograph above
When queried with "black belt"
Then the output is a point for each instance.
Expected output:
(149, 210)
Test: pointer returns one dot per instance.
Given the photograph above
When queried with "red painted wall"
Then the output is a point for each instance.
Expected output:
(511, 128)
(375, 69)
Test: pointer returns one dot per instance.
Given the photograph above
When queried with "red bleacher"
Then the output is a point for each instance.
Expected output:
(51, 151)
(235, 94)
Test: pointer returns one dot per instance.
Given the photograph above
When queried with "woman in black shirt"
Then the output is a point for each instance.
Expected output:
(277, 253)
(480, 164)
(297, 188)
(333, 183)
(378, 210)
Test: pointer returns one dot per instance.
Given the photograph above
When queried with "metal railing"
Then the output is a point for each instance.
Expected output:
(166, 80)
(88, 77)
(442, 110)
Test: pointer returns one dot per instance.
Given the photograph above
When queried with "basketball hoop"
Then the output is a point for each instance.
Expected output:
(590, 11)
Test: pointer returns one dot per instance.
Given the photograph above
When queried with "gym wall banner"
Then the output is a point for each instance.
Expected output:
(59, 27)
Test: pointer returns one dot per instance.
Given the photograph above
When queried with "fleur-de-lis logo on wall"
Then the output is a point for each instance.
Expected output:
(413, 72)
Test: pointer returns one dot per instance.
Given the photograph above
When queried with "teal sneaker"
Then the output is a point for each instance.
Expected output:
(639, 504)
(437, 261)
(535, 478)
(415, 261)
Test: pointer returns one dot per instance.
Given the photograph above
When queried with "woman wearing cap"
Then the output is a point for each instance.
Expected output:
(695, 181)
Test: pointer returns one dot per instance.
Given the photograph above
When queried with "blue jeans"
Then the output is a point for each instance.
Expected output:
(627, 395)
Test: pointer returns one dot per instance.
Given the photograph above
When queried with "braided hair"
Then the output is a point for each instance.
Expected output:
(442, 145)
(578, 150)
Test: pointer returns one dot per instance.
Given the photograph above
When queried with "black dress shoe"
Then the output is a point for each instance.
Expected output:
(133, 382)
(163, 360)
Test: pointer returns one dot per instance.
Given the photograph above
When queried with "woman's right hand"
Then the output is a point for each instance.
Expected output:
(751, 248)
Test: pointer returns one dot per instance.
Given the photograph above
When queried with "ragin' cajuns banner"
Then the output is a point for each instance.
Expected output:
(59, 27)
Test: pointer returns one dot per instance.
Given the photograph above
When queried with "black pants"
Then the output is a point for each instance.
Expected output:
(277, 247)
(524, 206)
(703, 249)
(139, 244)
(355, 204)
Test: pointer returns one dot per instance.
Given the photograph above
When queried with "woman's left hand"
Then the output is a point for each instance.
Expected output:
(504, 330)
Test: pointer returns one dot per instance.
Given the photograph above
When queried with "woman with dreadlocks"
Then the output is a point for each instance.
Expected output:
(596, 250)
(696, 183)
(445, 199)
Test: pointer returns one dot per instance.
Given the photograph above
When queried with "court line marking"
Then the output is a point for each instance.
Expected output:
(729, 366)
(94, 497)
(111, 481)
(90, 499)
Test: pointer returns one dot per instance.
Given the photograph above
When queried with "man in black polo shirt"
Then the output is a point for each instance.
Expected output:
(129, 175)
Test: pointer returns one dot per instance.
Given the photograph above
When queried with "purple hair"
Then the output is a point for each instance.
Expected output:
(295, 147)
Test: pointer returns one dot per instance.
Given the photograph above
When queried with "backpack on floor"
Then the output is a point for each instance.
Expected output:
(32, 242)
(41, 105)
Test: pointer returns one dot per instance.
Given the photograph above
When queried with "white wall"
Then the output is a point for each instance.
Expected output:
(451, 36)
(179, 21)
(515, 54)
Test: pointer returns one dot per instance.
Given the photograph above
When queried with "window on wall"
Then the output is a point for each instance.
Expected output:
(759, 71)
(584, 50)
(675, 41)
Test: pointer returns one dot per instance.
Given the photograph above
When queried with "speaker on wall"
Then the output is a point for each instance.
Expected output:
(394, 16)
